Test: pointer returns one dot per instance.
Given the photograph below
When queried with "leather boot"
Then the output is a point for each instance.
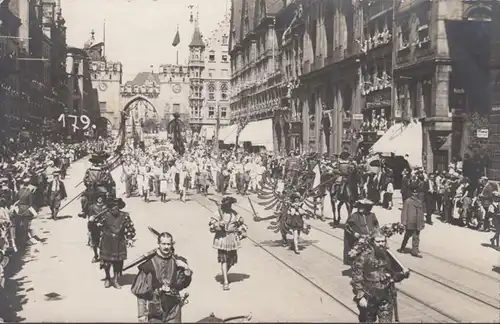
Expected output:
(115, 283)
(107, 283)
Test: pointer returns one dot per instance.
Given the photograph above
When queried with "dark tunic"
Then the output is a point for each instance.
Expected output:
(117, 228)
(357, 223)
(93, 227)
(159, 306)
(98, 177)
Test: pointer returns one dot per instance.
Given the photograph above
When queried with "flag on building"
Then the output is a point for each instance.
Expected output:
(177, 39)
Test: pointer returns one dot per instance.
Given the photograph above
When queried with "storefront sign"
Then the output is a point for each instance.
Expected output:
(482, 133)
(357, 117)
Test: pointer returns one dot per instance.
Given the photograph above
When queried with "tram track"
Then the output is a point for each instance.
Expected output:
(288, 266)
(432, 313)
(472, 295)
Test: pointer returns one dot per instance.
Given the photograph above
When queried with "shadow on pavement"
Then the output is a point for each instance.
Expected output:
(496, 269)
(232, 277)
(277, 243)
(13, 296)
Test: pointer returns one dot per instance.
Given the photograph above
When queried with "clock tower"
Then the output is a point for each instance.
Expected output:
(196, 65)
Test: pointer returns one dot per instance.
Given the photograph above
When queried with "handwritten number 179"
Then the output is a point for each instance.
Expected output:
(85, 120)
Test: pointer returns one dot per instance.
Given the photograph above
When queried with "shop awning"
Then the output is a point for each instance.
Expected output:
(228, 134)
(207, 131)
(402, 140)
(259, 133)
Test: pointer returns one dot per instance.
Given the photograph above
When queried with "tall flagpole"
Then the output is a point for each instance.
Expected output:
(104, 39)
(177, 53)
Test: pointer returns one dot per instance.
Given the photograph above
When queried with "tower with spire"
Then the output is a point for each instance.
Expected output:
(196, 65)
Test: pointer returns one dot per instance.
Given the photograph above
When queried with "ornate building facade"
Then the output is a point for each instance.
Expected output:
(158, 96)
(256, 78)
(441, 73)
(347, 73)
(215, 79)
(32, 51)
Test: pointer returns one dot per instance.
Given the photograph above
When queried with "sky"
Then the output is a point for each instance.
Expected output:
(139, 33)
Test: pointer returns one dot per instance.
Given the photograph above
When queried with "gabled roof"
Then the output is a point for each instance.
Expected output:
(197, 40)
(235, 26)
(142, 77)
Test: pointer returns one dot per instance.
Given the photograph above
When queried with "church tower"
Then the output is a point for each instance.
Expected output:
(196, 65)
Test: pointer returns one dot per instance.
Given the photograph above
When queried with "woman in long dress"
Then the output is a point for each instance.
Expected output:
(229, 229)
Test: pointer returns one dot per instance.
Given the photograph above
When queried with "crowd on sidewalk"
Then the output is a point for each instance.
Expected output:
(26, 175)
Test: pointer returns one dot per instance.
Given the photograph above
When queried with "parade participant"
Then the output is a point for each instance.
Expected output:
(183, 181)
(24, 207)
(96, 176)
(229, 229)
(412, 217)
(56, 193)
(494, 213)
(358, 224)
(163, 186)
(344, 168)
(157, 286)
(294, 221)
(373, 280)
(94, 211)
(486, 195)
(117, 233)
(292, 168)
(127, 175)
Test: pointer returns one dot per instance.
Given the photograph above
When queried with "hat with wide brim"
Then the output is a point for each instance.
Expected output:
(117, 202)
(364, 202)
(228, 201)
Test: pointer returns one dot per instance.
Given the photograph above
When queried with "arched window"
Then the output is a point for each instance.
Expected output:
(479, 14)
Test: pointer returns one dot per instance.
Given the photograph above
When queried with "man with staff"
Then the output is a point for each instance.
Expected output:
(375, 270)
(98, 175)
(162, 276)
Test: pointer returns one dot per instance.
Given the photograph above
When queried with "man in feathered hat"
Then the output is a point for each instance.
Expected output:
(361, 223)
(97, 175)
(118, 232)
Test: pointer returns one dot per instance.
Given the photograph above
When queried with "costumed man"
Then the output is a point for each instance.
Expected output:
(57, 193)
(24, 207)
(343, 169)
(175, 127)
(373, 276)
(96, 176)
(95, 210)
(360, 223)
(117, 234)
(486, 195)
(294, 221)
(292, 168)
(157, 286)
